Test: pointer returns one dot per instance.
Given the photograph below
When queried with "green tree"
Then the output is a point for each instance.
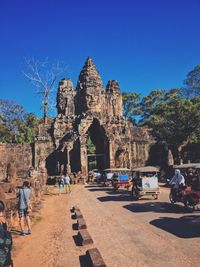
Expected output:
(90, 146)
(131, 106)
(148, 103)
(15, 124)
(176, 121)
(192, 83)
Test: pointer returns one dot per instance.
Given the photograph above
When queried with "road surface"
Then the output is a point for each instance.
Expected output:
(128, 233)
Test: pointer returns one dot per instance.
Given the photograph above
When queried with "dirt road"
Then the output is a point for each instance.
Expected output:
(127, 233)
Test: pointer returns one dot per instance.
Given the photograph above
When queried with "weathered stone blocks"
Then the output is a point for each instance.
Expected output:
(85, 237)
(81, 224)
(95, 258)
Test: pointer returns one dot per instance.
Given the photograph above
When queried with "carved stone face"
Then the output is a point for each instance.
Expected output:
(91, 101)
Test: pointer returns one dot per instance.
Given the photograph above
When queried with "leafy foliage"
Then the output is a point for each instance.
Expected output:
(90, 146)
(15, 124)
(175, 120)
(192, 83)
(149, 102)
(172, 118)
(131, 106)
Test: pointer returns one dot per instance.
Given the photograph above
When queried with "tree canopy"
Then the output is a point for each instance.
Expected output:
(175, 120)
(172, 118)
(16, 125)
(192, 83)
(131, 106)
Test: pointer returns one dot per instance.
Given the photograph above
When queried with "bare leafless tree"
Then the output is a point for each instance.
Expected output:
(43, 76)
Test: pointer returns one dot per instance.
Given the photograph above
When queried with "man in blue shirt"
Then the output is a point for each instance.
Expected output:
(24, 207)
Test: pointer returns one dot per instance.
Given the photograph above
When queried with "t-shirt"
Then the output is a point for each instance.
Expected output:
(24, 197)
(67, 180)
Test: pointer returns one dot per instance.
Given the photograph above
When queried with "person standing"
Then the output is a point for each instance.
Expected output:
(61, 183)
(67, 183)
(5, 240)
(24, 207)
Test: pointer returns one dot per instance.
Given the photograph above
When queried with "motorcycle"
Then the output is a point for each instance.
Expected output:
(186, 195)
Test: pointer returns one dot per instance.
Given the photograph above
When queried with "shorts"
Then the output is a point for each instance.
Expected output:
(23, 213)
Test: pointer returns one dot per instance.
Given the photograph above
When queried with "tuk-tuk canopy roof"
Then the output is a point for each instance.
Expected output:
(117, 169)
(146, 169)
(187, 165)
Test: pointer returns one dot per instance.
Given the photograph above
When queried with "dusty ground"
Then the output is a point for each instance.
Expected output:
(127, 233)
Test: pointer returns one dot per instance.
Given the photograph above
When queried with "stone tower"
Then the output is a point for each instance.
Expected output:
(91, 114)
(113, 101)
(89, 90)
(65, 98)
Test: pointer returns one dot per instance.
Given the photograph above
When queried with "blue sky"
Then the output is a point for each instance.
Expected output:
(144, 44)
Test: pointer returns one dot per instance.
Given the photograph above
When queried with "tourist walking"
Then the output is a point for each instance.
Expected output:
(5, 240)
(24, 207)
(61, 183)
(67, 183)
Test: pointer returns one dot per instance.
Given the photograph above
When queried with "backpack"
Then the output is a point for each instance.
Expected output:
(5, 246)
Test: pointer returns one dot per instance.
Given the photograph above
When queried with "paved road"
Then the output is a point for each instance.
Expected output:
(139, 233)
(128, 233)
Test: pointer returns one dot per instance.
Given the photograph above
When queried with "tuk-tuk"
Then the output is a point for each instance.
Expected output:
(145, 182)
(121, 180)
(114, 176)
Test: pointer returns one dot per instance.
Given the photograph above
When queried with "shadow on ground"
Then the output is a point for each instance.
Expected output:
(115, 197)
(183, 227)
(105, 189)
(84, 262)
(160, 207)
(97, 187)
(75, 226)
(77, 240)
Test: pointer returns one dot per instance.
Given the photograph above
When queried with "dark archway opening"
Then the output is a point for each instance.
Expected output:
(56, 163)
(97, 147)
(75, 161)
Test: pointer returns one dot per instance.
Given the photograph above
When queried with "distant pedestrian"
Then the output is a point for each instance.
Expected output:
(61, 183)
(67, 183)
(24, 207)
(5, 240)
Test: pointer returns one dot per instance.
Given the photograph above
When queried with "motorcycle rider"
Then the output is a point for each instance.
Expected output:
(179, 181)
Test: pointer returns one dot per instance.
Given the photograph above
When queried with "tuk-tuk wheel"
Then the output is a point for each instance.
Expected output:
(155, 196)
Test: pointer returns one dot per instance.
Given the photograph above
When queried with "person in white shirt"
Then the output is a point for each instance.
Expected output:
(67, 183)
(178, 179)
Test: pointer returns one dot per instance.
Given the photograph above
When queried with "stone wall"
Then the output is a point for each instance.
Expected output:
(20, 155)
(42, 155)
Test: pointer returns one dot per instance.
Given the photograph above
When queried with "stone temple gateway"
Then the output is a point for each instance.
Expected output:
(89, 130)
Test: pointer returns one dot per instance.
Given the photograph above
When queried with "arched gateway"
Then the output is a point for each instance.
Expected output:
(90, 130)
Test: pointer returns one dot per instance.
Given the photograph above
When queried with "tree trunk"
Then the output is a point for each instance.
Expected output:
(45, 112)
(176, 150)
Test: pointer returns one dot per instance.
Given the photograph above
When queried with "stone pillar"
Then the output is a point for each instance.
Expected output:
(68, 161)
(83, 155)
(111, 154)
(69, 146)
(146, 152)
